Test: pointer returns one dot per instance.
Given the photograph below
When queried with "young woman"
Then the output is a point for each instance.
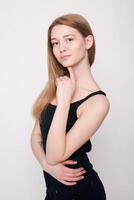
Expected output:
(68, 112)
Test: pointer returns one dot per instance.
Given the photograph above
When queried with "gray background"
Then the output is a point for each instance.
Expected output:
(23, 74)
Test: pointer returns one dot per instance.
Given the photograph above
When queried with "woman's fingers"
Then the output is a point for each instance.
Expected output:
(68, 183)
(76, 174)
(69, 162)
(73, 179)
(73, 171)
(70, 175)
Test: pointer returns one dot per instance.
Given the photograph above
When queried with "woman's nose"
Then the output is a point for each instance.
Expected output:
(62, 47)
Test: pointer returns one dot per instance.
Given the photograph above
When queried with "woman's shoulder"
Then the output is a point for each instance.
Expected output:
(53, 101)
(95, 99)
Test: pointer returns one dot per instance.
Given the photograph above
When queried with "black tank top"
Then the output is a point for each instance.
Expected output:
(47, 116)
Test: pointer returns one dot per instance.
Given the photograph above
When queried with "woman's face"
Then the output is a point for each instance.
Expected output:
(69, 46)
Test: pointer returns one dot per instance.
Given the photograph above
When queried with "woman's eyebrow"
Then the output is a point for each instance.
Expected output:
(64, 36)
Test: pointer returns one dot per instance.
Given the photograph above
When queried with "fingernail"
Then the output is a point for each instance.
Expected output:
(75, 161)
(82, 167)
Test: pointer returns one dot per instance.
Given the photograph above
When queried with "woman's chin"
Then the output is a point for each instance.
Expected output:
(68, 64)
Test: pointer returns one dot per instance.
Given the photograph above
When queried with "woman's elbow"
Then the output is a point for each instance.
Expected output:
(51, 161)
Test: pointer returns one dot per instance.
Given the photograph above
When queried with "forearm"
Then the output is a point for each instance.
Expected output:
(37, 148)
(56, 139)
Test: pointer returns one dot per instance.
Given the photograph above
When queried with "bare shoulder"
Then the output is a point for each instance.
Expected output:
(54, 101)
(94, 105)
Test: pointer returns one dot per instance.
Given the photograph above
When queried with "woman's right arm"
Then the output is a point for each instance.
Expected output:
(36, 145)
(62, 173)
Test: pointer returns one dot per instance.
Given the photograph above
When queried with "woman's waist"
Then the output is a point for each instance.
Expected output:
(82, 161)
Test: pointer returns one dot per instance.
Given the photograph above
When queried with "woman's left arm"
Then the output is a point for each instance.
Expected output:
(60, 146)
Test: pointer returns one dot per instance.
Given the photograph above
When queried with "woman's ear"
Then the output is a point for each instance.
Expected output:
(89, 41)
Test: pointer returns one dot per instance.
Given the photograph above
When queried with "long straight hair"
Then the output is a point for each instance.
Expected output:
(55, 69)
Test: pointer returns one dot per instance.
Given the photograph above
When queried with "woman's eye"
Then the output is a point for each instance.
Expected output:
(54, 43)
(69, 39)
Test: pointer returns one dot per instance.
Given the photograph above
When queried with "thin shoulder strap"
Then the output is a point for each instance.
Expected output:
(93, 94)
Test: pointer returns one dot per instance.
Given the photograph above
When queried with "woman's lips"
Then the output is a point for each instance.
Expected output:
(65, 57)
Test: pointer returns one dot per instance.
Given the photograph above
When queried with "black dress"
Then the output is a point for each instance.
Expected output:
(89, 188)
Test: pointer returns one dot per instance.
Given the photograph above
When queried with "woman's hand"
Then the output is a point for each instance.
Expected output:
(65, 87)
(67, 176)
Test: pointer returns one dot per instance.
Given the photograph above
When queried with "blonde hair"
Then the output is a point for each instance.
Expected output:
(55, 69)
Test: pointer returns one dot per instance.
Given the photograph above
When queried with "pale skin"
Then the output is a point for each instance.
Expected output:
(67, 176)
(93, 110)
(68, 41)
